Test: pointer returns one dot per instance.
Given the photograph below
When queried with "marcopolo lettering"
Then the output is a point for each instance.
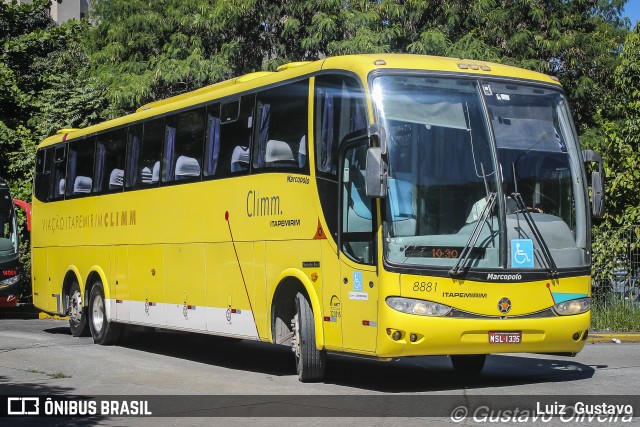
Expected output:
(298, 179)
(506, 277)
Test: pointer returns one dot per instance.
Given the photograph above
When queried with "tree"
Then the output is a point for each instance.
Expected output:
(44, 86)
(150, 50)
(577, 41)
(618, 139)
(144, 51)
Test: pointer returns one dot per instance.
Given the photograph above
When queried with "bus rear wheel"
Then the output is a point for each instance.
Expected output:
(310, 362)
(102, 330)
(77, 312)
(470, 364)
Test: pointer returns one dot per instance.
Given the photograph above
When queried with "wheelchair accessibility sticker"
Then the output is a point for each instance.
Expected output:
(522, 253)
(357, 280)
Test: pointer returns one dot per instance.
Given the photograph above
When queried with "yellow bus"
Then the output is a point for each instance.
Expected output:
(377, 205)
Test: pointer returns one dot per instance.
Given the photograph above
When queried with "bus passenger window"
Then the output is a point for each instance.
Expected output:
(147, 163)
(340, 110)
(133, 173)
(43, 174)
(184, 138)
(281, 128)
(212, 140)
(110, 162)
(235, 137)
(59, 172)
(80, 167)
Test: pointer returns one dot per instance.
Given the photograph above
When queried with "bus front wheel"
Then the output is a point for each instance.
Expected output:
(310, 362)
(77, 312)
(470, 364)
(102, 330)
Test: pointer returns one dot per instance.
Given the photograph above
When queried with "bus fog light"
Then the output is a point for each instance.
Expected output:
(576, 336)
(419, 307)
(575, 306)
(396, 335)
(413, 338)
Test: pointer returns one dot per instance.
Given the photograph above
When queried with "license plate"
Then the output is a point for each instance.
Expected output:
(514, 337)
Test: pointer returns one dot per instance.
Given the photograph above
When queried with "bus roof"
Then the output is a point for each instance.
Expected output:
(359, 64)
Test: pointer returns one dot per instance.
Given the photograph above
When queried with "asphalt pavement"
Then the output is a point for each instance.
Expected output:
(40, 357)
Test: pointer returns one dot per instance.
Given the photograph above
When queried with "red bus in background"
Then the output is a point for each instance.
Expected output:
(9, 243)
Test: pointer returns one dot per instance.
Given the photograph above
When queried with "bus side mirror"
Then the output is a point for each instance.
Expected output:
(597, 183)
(376, 173)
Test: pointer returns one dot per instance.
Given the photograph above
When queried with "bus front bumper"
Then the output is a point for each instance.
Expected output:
(9, 292)
(421, 335)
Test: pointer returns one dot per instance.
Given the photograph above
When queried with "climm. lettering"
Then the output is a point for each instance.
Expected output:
(262, 206)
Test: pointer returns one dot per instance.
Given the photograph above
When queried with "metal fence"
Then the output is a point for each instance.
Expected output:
(616, 264)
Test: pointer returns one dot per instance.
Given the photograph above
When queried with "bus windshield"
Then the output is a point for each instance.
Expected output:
(8, 236)
(445, 137)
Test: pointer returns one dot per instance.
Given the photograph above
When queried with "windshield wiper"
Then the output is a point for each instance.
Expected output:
(551, 265)
(473, 237)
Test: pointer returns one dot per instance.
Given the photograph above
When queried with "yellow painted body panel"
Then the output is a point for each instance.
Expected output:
(470, 335)
(225, 285)
(438, 336)
(200, 256)
(482, 297)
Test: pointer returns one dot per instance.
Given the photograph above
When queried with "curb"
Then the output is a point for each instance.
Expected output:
(624, 337)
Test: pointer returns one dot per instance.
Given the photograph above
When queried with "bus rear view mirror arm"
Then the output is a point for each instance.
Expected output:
(597, 183)
(377, 167)
(376, 176)
(378, 138)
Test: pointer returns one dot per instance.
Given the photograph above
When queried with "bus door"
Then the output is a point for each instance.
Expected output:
(357, 252)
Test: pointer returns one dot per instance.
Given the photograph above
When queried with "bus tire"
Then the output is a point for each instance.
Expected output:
(310, 362)
(470, 364)
(103, 331)
(77, 312)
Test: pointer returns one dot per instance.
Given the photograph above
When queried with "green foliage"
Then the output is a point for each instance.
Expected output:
(143, 51)
(615, 314)
(578, 41)
(44, 86)
(618, 139)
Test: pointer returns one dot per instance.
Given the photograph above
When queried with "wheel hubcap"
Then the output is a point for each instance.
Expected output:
(98, 313)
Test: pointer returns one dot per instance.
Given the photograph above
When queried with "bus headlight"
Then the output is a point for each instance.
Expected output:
(575, 306)
(8, 282)
(419, 307)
